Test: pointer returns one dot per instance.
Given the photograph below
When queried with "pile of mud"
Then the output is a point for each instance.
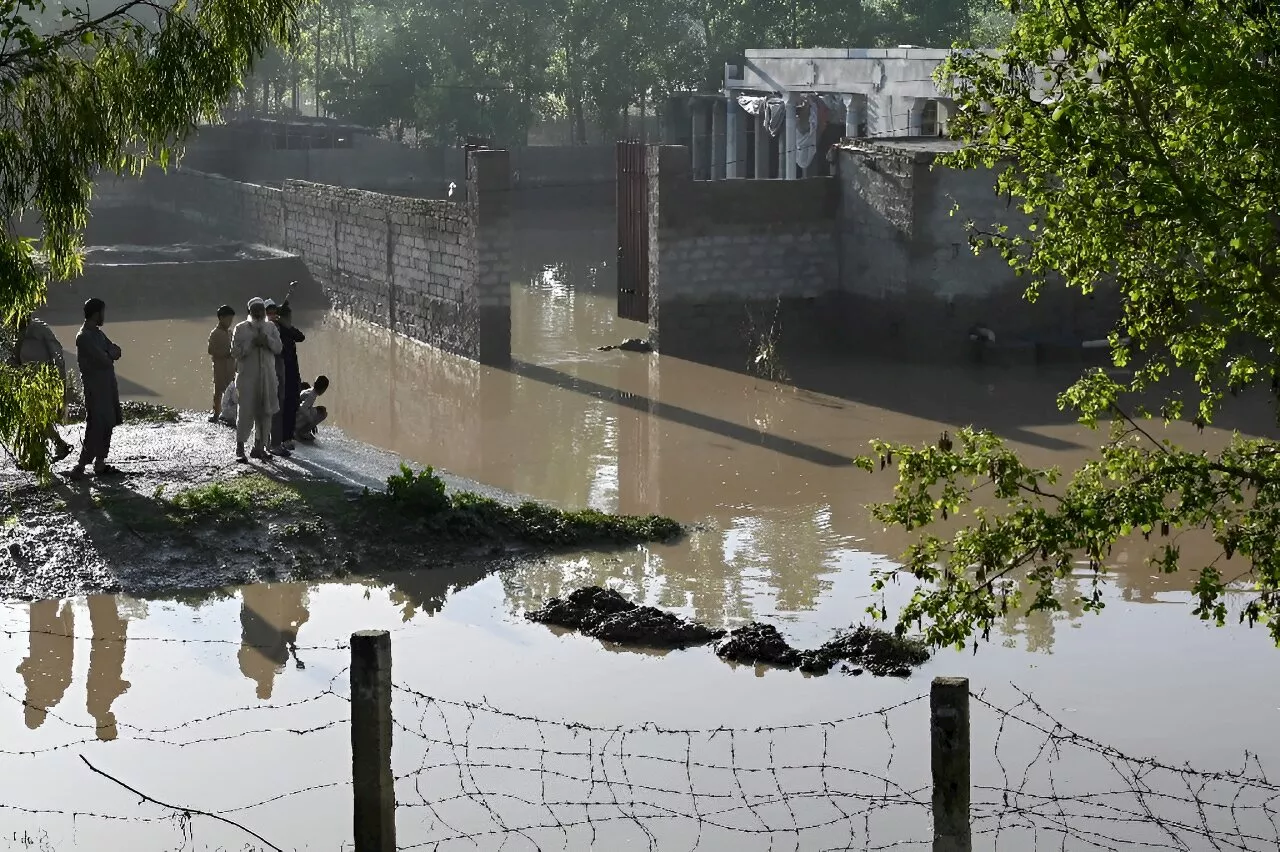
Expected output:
(604, 614)
(862, 649)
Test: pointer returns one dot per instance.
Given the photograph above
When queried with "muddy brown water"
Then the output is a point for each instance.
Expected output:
(784, 538)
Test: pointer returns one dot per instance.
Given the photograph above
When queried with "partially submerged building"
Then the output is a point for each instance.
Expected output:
(781, 111)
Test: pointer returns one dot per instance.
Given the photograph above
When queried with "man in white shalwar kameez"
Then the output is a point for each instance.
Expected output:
(255, 343)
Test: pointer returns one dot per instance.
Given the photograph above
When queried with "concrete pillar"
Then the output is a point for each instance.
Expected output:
(732, 134)
(915, 115)
(717, 141)
(374, 786)
(850, 116)
(489, 192)
(697, 138)
(949, 736)
(761, 130)
(791, 138)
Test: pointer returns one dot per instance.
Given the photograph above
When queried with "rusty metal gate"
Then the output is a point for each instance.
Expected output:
(633, 232)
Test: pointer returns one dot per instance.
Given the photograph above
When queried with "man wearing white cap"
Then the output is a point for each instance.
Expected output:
(255, 343)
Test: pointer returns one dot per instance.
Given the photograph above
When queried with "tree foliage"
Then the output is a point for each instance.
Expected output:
(1141, 141)
(490, 67)
(83, 90)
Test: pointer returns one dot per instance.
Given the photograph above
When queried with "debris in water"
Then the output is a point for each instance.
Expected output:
(631, 344)
(606, 615)
(758, 643)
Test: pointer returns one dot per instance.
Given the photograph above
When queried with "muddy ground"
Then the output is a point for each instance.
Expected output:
(185, 516)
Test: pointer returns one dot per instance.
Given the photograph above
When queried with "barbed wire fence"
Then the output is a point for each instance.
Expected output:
(471, 775)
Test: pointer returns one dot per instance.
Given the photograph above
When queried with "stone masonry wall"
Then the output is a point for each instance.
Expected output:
(403, 263)
(727, 257)
(913, 286)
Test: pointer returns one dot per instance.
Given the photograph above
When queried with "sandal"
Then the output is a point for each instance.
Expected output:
(259, 454)
(61, 453)
(107, 470)
(241, 459)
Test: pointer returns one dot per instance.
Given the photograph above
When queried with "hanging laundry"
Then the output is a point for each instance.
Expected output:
(775, 114)
(752, 104)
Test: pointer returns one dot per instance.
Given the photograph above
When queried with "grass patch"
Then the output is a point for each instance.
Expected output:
(132, 411)
(420, 496)
(229, 503)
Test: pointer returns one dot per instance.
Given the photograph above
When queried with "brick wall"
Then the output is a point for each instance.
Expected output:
(406, 264)
(726, 256)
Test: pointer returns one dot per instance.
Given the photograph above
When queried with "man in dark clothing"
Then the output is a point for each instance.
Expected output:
(97, 358)
(288, 377)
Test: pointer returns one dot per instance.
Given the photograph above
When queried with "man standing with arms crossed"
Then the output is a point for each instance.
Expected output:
(97, 357)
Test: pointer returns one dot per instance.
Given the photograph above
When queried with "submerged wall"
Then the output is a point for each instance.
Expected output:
(728, 258)
(913, 286)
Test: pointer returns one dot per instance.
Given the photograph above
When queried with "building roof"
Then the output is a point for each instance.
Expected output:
(902, 52)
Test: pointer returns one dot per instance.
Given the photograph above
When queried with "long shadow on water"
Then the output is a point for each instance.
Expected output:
(677, 414)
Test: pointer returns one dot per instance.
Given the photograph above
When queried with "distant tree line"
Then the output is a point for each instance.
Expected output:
(440, 70)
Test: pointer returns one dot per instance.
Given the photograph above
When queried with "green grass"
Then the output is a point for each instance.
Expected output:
(420, 497)
(229, 503)
(132, 411)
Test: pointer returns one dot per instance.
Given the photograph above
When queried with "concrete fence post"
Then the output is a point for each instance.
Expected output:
(375, 797)
(949, 735)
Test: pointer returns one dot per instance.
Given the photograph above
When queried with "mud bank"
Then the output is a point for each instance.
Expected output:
(183, 516)
(606, 615)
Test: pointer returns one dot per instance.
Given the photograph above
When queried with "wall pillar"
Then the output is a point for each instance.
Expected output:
(732, 134)
(791, 139)
(697, 138)
(850, 116)
(718, 117)
(489, 191)
(761, 131)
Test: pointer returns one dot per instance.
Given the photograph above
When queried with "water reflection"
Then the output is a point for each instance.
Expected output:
(105, 682)
(271, 614)
(47, 669)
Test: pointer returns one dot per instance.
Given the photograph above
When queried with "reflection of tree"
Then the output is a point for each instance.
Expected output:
(46, 671)
(1039, 629)
(426, 589)
(790, 552)
(106, 663)
(271, 614)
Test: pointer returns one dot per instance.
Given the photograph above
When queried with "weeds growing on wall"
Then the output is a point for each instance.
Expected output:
(764, 359)
(420, 496)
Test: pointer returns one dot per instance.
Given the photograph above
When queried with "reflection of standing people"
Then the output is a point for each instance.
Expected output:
(255, 344)
(106, 663)
(224, 363)
(97, 357)
(47, 669)
(271, 614)
(37, 345)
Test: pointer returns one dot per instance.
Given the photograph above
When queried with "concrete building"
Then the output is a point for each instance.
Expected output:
(781, 110)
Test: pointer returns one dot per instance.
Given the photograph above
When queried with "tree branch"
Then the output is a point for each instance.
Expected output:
(180, 809)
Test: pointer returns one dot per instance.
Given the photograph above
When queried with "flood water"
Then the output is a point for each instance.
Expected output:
(784, 537)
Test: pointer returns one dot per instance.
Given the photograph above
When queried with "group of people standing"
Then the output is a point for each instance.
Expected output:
(257, 386)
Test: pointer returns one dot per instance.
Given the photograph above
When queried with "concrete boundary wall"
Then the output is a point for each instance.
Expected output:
(416, 172)
(408, 264)
(730, 257)
(914, 287)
